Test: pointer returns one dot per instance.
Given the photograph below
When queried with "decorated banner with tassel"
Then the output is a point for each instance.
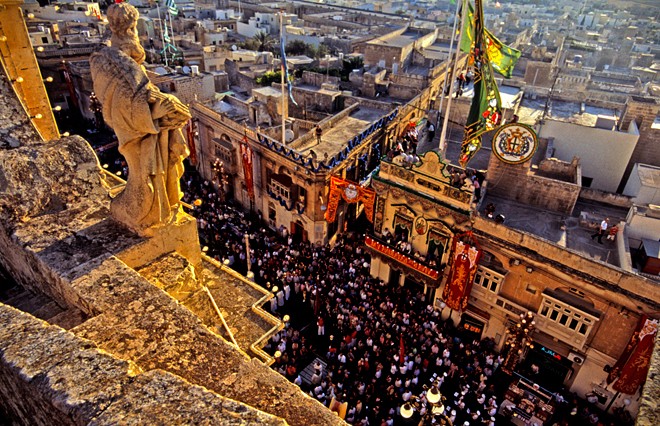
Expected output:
(465, 256)
(351, 193)
(486, 108)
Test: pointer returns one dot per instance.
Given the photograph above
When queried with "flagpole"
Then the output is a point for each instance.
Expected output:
(447, 76)
(284, 100)
(169, 13)
(443, 135)
(162, 34)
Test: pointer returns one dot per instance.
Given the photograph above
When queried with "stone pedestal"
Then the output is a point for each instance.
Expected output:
(180, 236)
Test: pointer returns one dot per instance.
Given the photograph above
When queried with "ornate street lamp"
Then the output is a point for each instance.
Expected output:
(218, 168)
(96, 108)
(519, 338)
(430, 407)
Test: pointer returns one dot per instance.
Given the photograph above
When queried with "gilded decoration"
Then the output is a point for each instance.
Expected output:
(380, 215)
(428, 205)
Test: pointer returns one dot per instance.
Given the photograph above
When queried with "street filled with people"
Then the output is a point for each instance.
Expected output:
(369, 346)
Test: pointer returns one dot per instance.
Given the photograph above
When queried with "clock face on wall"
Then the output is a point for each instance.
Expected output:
(515, 143)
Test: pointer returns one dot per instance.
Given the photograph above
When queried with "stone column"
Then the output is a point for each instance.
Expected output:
(23, 70)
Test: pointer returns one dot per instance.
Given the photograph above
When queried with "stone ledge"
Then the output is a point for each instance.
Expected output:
(47, 368)
(63, 379)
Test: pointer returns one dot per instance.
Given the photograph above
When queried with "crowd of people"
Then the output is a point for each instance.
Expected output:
(382, 344)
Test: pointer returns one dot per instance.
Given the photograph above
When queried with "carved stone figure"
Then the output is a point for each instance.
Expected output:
(147, 123)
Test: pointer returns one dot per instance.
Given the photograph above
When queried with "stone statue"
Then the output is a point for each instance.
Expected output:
(147, 123)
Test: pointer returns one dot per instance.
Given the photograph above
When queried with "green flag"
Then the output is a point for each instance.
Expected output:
(486, 108)
(502, 57)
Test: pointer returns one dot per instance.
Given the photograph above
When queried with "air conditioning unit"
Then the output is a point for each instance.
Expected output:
(576, 358)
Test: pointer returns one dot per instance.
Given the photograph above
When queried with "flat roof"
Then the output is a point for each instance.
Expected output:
(267, 91)
(531, 110)
(402, 40)
(562, 229)
(649, 175)
(335, 139)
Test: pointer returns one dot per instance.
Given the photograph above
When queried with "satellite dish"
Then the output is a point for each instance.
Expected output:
(186, 69)
(160, 71)
(289, 135)
(234, 48)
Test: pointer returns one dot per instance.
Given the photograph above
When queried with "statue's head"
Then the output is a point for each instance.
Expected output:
(122, 18)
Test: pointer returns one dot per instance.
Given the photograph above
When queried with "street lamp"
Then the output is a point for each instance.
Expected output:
(97, 109)
(519, 338)
(218, 168)
(430, 407)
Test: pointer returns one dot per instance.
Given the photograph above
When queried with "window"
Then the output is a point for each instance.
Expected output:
(531, 289)
(279, 189)
(272, 215)
(566, 316)
(488, 279)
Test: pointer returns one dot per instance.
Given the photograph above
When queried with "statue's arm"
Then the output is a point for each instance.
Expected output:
(166, 108)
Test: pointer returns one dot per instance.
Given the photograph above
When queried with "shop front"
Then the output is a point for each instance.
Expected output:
(473, 322)
(546, 367)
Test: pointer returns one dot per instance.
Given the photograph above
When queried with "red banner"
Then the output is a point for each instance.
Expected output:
(401, 258)
(465, 257)
(351, 193)
(636, 368)
(625, 356)
(246, 155)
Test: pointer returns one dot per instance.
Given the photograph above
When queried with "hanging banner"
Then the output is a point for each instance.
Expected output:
(615, 372)
(633, 373)
(465, 257)
(351, 193)
(486, 109)
(246, 155)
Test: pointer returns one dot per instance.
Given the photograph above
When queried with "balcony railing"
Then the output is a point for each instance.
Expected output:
(419, 265)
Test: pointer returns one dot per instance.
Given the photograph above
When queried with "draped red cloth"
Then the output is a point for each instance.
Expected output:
(627, 352)
(246, 155)
(633, 373)
(351, 193)
(465, 258)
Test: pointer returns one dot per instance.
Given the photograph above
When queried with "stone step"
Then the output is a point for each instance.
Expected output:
(68, 319)
(32, 302)
(47, 311)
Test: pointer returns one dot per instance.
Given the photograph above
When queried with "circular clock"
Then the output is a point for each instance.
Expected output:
(515, 143)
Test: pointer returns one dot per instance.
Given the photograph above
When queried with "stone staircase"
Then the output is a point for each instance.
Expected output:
(37, 304)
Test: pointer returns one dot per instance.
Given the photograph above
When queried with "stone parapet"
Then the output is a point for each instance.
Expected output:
(52, 376)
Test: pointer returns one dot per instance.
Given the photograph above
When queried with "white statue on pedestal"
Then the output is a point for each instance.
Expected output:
(147, 123)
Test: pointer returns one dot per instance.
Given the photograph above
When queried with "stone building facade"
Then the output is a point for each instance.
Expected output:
(644, 111)
(585, 308)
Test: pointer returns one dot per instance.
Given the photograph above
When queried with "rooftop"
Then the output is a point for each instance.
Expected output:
(649, 175)
(572, 232)
(401, 40)
(335, 139)
(531, 111)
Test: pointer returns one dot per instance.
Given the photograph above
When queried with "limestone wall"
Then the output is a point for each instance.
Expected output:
(50, 376)
(514, 182)
(609, 283)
